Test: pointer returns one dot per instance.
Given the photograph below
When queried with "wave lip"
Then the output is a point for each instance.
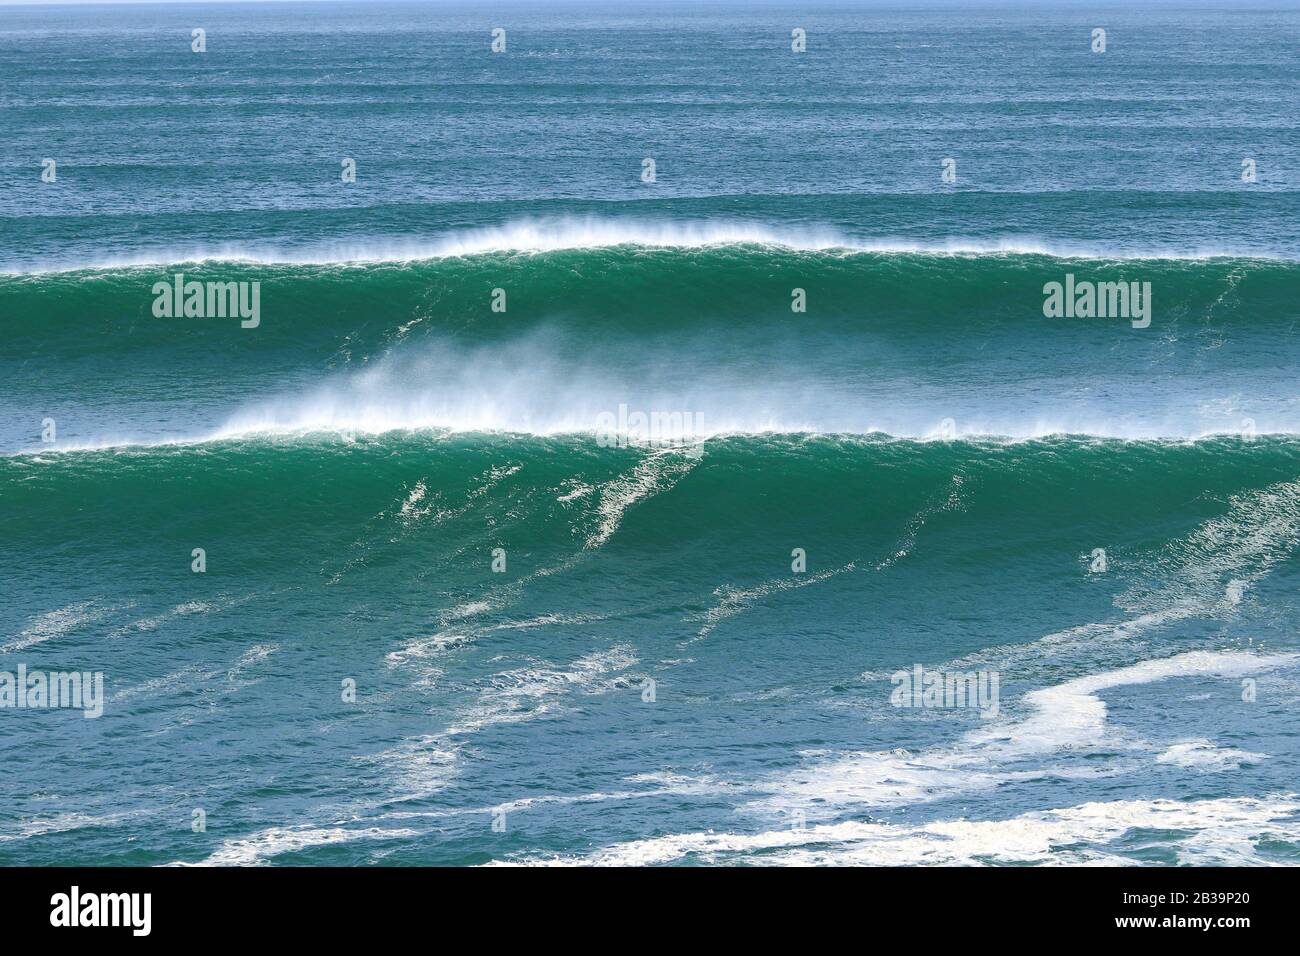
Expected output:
(561, 233)
(696, 442)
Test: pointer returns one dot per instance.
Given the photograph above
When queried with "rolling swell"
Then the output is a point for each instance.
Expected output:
(894, 342)
(624, 289)
(353, 467)
(394, 511)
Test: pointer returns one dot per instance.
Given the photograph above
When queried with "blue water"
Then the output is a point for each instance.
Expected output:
(441, 620)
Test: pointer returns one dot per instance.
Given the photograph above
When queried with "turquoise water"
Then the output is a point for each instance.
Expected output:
(567, 646)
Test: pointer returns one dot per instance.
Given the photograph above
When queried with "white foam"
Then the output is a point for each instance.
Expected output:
(608, 502)
(374, 424)
(56, 623)
(1069, 715)
(527, 693)
(654, 474)
(427, 763)
(1218, 832)
(68, 822)
(1214, 566)
(419, 765)
(194, 681)
(417, 650)
(153, 623)
(251, 657)
(1208, 572)
(529, 386)
(274, 841)
(533, 384)
(1205, 755)
(1072, 714)
(732, 600)
(553, 234)
(185, 678)
(660, 784)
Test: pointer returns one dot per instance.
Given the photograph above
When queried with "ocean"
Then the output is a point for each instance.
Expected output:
(691, 433)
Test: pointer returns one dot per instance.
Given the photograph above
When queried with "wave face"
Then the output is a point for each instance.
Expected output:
(370, 558)
(546, 515)
(909, 344)
(392, 484)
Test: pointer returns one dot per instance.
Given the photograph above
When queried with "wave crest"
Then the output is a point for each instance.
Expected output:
(561, 233)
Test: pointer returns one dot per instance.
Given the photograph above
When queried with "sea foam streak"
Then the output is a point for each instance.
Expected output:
(1067, 715)
(1218, 832)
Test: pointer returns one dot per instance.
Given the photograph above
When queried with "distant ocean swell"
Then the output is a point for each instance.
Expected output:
(619, 288)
